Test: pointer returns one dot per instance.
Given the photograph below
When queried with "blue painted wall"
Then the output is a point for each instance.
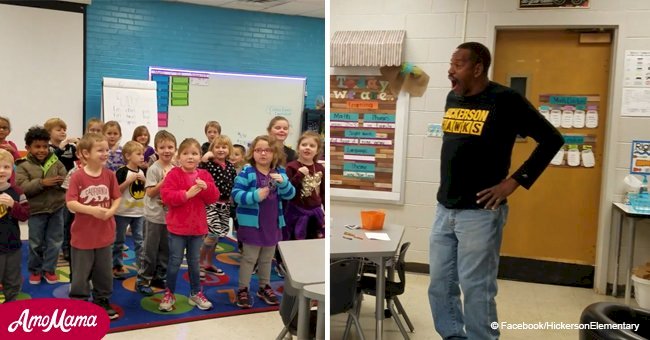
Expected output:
(124, 38)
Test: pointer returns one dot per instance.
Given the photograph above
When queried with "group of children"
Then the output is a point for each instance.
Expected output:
(80, 195)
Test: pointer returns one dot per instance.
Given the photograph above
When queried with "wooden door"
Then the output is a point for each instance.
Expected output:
(557, 220)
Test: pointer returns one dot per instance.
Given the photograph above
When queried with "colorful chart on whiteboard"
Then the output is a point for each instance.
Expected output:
(362, 133)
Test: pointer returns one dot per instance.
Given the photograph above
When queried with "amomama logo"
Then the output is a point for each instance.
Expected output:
(52, 319)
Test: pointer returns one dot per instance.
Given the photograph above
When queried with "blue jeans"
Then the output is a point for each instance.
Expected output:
(177, 246)
(137, 226)
(45, 239)
(464, 249)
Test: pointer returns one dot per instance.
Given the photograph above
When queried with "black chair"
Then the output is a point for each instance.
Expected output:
(607, 313)
(289, 313)
(344, 275)
(368, 285)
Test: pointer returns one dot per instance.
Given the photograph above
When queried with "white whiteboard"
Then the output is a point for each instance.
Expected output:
(131, 103)
(41, 68)
(242, 103)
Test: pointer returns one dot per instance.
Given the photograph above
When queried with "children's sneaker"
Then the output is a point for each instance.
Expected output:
(213, 269)
(199, 300)
(243, 298)
(35, 278)
(143, 289)
(158, 283)
(118, 273)
(112, 314)
(125, 247)
(51, 278)
(268, 295)
(280, 270)
(167, 302)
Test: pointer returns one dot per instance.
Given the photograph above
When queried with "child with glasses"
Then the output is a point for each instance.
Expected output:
(259, 189)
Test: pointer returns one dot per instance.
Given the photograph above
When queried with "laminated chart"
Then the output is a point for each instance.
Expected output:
(362, 133)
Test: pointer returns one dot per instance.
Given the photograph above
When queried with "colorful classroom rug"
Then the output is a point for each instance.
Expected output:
(138, 311)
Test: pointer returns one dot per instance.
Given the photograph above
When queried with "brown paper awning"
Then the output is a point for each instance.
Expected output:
(367, 48)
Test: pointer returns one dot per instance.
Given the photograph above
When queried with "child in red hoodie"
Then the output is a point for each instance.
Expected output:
(186, 191)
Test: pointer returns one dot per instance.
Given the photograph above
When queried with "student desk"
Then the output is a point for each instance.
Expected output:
(625, 212)
(317, 292)
(375, 250)
(305, 264)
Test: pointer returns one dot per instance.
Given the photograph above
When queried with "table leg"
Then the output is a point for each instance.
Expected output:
(379, 305)
(630, 254)
(618, 234)
(303, 316)
(320, 324)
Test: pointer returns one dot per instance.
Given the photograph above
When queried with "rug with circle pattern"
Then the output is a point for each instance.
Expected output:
(138, 311)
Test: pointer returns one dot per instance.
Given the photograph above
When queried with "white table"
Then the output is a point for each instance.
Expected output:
(317, 292)
(631, 215)
(305, 264)
(375, 250)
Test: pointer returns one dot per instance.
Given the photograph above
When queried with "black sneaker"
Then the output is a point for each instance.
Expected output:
(158, 283)
(267, 294)
(243, 298)
(143, 289)
(280, 270)
(112, 314)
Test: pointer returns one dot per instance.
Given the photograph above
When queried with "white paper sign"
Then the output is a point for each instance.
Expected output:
(573, 157)
(567, 119)
(556, 118)
(636, 102)
(592, 119)
(579, 119)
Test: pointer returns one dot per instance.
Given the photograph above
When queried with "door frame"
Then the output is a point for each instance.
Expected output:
(513, 22)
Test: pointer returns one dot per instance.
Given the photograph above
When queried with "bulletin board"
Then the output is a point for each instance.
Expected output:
(367, 139)
(577, 118)
(640, 160)
(243, 104)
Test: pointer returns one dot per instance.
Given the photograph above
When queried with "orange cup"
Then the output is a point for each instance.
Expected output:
(372, 219)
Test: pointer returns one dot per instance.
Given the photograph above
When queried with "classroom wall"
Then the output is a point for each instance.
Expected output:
(434, 28)
(124, 38)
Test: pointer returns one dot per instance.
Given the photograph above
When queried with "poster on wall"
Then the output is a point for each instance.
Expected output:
(636, 84)
(526, 4)
(640, 157)
(365, 137)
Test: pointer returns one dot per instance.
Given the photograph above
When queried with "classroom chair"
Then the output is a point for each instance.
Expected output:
(289, 313)
(367, 285)
(344, 276)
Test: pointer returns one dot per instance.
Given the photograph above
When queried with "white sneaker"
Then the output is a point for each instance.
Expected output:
(167, 302)
(199, 300)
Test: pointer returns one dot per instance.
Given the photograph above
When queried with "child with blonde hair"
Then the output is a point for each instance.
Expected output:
(13, 208)
(186, 191)
(5, 130)
(94, 125)
(218, 214)
(305, 215)
(113, 133)
(130, 179)
(259, 190)
(60, 144)
(142, 136)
